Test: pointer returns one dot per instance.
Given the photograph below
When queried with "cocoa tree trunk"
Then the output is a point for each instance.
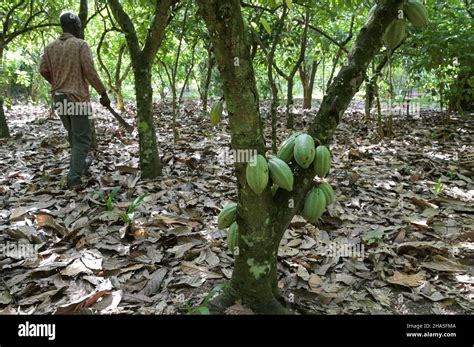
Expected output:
(371, 84)
(142, 61)
(119, 78)
(290, 77)
(271, 77)
(119, 97)
(188, 73)
(352, 74)
(254, 276)
(4, 131)
(83, 10)
(307, 81)
(149, 159)
(205, 90)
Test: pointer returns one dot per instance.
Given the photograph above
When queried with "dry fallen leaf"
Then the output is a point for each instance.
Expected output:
(441, 263)
(200, 271)
(402, 279)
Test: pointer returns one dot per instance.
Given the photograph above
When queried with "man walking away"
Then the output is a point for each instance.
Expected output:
(67, 65)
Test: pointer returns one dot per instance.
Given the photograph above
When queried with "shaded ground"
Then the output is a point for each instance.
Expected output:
(415, 246)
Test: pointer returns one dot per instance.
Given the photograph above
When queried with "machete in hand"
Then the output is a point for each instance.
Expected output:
(122, 121)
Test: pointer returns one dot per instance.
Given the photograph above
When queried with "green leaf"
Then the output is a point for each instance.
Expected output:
(373, 236)
(289, 4)
(439, 186)
(214, 290)
(201, 310)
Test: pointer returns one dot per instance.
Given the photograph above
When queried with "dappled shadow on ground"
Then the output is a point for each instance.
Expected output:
(398, 239)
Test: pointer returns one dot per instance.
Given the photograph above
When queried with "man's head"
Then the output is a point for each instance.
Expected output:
(71, 24)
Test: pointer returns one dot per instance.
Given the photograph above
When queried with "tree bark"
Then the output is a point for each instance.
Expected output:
(271, 78)
(142, 61)
(83, 9)
(174, 73)
(188, 73)
(207, 81)
(290, 77)
(352, 74)
(307, 81)
(254, 278)
(149, 158)
(4, 131)
(370, 86)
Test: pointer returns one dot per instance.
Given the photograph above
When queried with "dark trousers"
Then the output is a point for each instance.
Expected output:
(79, 135)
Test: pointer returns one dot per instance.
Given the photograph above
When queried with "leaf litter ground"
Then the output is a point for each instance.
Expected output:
(398, 240)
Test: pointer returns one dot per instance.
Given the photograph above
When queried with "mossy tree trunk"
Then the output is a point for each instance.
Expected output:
(4, 131)
(142, 61)
(290, 77)
(352, 74)
(307, 81)
(262, 219)
(207, 80)
(114, 83)
(370, 87)
(11, 29)
(276, 36)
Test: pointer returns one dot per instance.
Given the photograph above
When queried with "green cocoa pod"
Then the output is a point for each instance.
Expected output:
(328, 192)
(280, 173)
(304, 150)
(257, 174)
(395, 33)
(314, 205)
(232, 236)
(227, 216)
(416, 13)
(322, 161)
(216, 112)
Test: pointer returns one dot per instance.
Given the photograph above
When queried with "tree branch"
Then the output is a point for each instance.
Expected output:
(156, 32)
(127, 27)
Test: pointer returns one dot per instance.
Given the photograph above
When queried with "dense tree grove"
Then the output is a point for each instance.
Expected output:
(269, 69)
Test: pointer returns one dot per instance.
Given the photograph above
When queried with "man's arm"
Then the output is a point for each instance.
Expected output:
(43, 68)
(91, 74)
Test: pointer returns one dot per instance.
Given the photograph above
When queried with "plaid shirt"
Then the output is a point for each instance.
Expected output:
(67, 65)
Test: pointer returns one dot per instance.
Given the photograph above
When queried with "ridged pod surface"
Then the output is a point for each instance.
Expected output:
(227, 216)
(280, 173)
(328, 192)
(322, 161)
(216, 112)
(304, 150)
(314, 205)
(395, 33)
(416, 13)
(257, 174)
(232, 236)
(285, 152)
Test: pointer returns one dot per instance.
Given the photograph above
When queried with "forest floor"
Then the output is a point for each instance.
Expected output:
(413, 236)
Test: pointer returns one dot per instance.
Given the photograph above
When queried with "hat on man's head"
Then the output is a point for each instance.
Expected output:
(68, 18)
